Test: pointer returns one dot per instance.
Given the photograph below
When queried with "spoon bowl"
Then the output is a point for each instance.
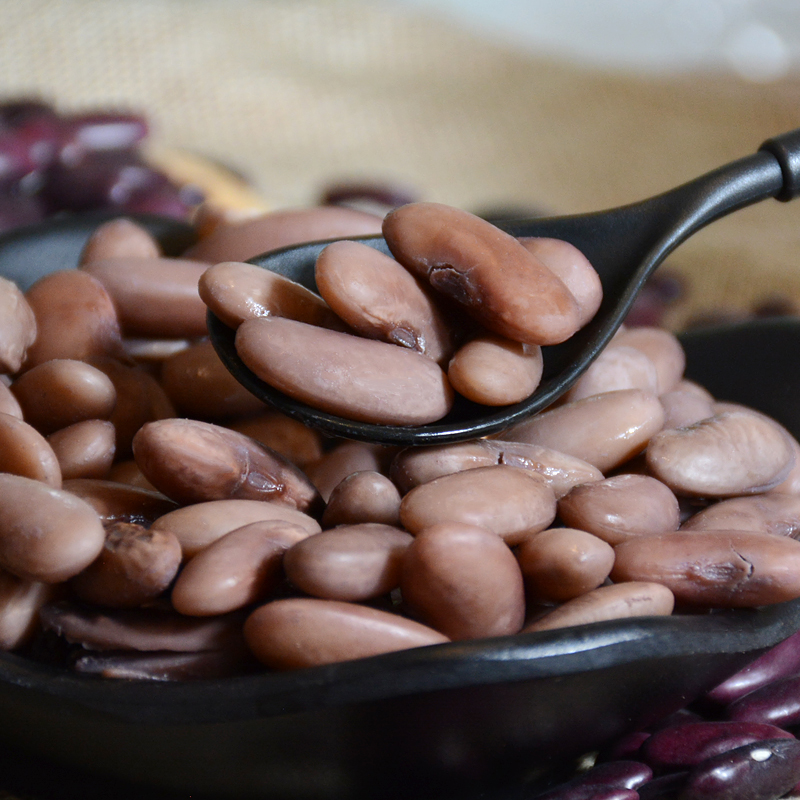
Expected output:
(625, 245)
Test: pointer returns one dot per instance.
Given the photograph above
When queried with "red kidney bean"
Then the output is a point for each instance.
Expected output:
(610, 777)
(665, 787)
(777, 703)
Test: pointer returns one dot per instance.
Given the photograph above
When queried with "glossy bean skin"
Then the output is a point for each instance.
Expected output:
(17, 327)
(24, 451)
(345, 459)
(20, 601)
(120, 502)
(606, 429)
(119, 238)
(663, 349)
(85, 449)
(727, 569)
(495, 371)
(682, 408)
(617, 601)
(135, 565)
(562, 563)
(240, 568)
(308, 632)
(155, 297)
(192, 462)
(791, 483)
(61, 392)
(8, 403)
(289, 437)
(510, 502)
(364, 496)
(775, 514)
(777, 703)
(617, 367)
(461, 255)
(351, 562)
(46, 534)
(363, 379)
(464, 581)
(75, 318)
(620, 507)
(619, 777)
(733, 452)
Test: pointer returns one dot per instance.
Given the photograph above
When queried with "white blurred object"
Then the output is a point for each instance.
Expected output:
(756, 39)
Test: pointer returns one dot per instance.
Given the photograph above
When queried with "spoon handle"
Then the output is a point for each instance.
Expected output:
(786, 148)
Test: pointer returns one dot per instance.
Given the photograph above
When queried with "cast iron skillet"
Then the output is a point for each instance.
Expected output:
(453, 720)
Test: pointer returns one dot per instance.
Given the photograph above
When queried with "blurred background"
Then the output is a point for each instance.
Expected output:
(558, 106)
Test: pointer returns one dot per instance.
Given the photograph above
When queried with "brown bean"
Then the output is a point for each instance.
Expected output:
(351, 562)
(85, 449)
(45, 534)
(308, 632)
(200, 386)
(153, 352)
(135, 566)
(119, 238)
(17, 327)
(734, 452)
(380, 299)
(489, 273)
(508, 501)
(682, 408)
(495, 371)
(198, 525)
(714, 568)
(240, 568)
(20, 601)
(343, 460)
(289, 437)
(120, 502)
(606, 429)
(75, 318)
(562, 563)
(236, 292)
(464, 581)
(8, 403)
(775, 514)
(791, 483)
(663, 349)
(61, 392)
(617, 508)
(362, 379)
(129, 472)
(365, 496)
(617, 367)
(415, 465)
(620, 601)
(24, 451)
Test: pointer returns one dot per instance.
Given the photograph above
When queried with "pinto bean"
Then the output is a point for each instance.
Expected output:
(289, 437)
(791, 483)
(20, 601)
(345, 459)
(363, 379)
(8, 403)
(24, 451)
(61, 392)
(620, 507)
(365, 496)
(192, 461)
(119, 238)
(489, 273)
(129, 472)
(17, 327)
(682, 408)
(85, 449)
(508, 501)
(728, 569)
(308, 632)
(663, 349)
(733, 452)
(617, 367)
(120, 502)
(776, 514)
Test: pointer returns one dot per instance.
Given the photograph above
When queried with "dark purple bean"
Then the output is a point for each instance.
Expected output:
(100, 131)
(166, 201)
(18, 110)
(682, 716)
(777, 703)
(18, 209)
(625, 748)
(664, 788)
(685, 745)
(780, 661)
(15, 160)
(383, 194)
(612, 780)
(759, 771)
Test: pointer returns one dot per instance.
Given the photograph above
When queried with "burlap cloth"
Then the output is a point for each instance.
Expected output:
(299, 93)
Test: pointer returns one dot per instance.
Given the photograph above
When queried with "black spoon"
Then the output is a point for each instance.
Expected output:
(625, 245)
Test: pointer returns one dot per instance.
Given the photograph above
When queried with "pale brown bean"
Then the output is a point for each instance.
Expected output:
(63, 391)
(464, 581)
(343, 460)
(129, 472)
(731, 453)
(241, 241)
(289, 437)
(380, 299)
(75, 318)
(17, 327)
(617, 367)
(308, 632)
(365, 496)
(562, 563)
(683, 408)
(192, 461)
(508, 501)
(198, 525)
(775, 514)
(154, 296)
(45, 534)
(791, 483)
(495, 371)
(489, 273)
(663, 349)
(85, 449)
(199, 385)
(727, 569)
(120, 502)
(360, 379)
(119, 238)
(8, 403)
(685, 385)
(236, 292)
(573, 269)
(606, 429)
(620, 507)
(153, 352)
(619, 601)
(24, 451)
(20, 601)
(242, 567)
(135, 566)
